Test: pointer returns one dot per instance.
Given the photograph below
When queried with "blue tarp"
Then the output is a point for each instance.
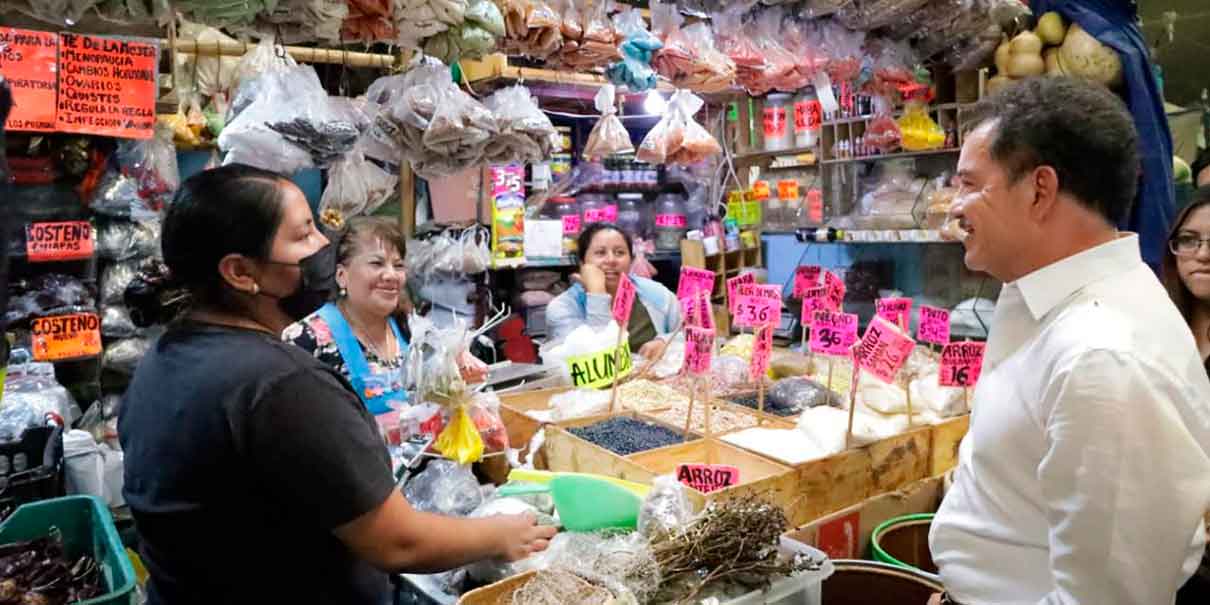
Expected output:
(1115, 24)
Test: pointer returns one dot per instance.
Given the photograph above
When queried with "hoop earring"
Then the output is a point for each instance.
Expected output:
(255, 289)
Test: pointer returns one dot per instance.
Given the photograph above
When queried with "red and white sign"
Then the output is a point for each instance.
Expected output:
(961, 364)
(699, 348)
(833, 333)
(883, 350)
(623, 300)
(29, 60)
(71, 240)
(707, 478)
(108, 85)
(805, 277)
(934, 325)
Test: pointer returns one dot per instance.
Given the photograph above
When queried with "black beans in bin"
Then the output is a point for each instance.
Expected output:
(625, 436)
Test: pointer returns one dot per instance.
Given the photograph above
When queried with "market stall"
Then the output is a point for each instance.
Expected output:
(780, 170)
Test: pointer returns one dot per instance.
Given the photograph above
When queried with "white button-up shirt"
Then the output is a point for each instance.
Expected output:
(1086, 473)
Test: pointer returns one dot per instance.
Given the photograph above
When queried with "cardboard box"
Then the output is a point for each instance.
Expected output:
(846, 534)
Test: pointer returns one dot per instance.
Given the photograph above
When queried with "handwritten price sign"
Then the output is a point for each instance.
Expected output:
(762, 350)
(733, 285)
(883, 349)
(707, 478)
(693, 280)
(961, 364)
(758, 305)
(699, 347)
(833, 333)
(805, 277)
(59, 241)
(934, 325)
(66, 337)
(836, 290)
(895, 310)
(623, 300)
(697, 311)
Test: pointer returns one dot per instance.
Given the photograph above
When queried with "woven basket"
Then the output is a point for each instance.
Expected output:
(500, 593)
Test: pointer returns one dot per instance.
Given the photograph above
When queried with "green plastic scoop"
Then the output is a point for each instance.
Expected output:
(585, 503)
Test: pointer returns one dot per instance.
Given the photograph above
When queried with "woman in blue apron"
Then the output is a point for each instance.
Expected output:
(357, 334)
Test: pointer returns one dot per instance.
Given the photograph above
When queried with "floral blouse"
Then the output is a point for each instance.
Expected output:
(313, 335)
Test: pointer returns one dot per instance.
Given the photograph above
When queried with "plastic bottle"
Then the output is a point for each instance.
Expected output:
(808, 115)
(567, 210)
(670, 222)
(773, 219)
(630, 215)
(597, 208)
(779, 135)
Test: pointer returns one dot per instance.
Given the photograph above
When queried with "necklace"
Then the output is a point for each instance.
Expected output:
(363, 336)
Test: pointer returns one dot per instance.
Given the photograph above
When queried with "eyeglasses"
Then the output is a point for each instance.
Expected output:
(1187, 244)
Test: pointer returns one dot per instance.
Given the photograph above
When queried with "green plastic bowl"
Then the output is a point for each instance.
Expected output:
(904, 523)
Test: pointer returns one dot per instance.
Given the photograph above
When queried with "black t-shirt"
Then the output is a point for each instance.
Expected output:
(242, 454)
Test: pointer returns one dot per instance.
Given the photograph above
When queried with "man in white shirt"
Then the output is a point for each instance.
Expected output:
(1085, 474)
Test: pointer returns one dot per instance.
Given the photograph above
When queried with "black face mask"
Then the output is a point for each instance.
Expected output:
(316, 286)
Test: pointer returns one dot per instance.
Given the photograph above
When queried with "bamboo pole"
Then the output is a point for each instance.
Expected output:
(303, 54)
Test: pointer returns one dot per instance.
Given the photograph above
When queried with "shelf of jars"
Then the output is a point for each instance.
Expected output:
(830, 235)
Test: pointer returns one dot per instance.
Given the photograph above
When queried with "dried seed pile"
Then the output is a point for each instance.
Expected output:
(751, 400)
(625, 436)
(644, 395)
(721, 420)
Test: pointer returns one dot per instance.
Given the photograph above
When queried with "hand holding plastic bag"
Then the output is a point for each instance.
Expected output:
(608, 136)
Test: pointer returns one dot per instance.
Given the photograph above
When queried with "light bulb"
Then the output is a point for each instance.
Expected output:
(654, 103)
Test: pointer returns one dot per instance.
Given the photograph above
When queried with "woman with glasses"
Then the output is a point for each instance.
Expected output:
(1186, 274)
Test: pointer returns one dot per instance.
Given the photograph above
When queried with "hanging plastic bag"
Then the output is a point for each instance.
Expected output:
(589, 39)
(264, 58)
(279, 96)
(638, 49)
(473, 38)
(202, 75)
(678, 138)
(843, 49)
(525, 133)
(920, 132)
(476, 256)
(356, 186)
(142, 178)
(460, 440)
(883, 134)
(444, 487)
(737, 43)
(608, 136)
(416, 20)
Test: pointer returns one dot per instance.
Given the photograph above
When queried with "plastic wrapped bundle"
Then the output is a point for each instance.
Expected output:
(142, 178)
(305, 21)
(47, 294)
(223, 14)
(116, 322)
(446, 488)
(678, 138)
(784, 72)
(325, 127)
(929, 396)
(589, 39)
(800, 393)
(526, 135)
(369, 21)
(608, 136)
(122, 240)
(873, 14)
(471, 39)
(279, 97)
(114, 280)
(532, 28)
(843, 49)
(634, 71)
(262, 59)
(666, 507)
(123, 356)
(742, 49)
(31, 391)
(416, 20)
(57, 12)
(355, 186)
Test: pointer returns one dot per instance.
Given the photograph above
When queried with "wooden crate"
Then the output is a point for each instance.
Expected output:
(569, 453)
(769, 421)
(758, 476)
(522, 427)
(946, 438)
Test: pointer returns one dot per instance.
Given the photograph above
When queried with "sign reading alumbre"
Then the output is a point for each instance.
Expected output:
(596, 370)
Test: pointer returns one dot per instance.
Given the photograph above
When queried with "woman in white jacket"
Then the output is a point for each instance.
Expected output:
(606, 254)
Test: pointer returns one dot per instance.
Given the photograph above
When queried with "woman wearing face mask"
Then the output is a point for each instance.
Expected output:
(357, 334)
(606, 254)
(254, 474)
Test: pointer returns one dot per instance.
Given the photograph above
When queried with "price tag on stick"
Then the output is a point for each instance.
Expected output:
(805, 277)
(883, 349)
(699, 346)
(694, 280)
(934, 326)
(623, 300)
(733, 285)
(762, 351)
(836, 290)
(961, 364)
(833, 333)
(895, 310)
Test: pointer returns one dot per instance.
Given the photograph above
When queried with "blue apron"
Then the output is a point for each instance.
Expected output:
(382, 392)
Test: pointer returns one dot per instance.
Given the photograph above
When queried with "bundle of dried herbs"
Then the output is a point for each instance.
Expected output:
(734, 541)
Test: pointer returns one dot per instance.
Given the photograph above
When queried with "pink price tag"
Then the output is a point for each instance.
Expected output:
(608, 214)
(699, 346)
(676, 221)
(884, 349)
(705, 310)
(813, 299)
(806, 277)
(689, 313)
(707, 478)
(895, 310)
(934, 325)
(623, 300)
(762, 350)
(836, 290)
(961, 364)
(571, 224)
(733, 285)
(759, 305)
(508, 179)
(833, 333)
(693, 280)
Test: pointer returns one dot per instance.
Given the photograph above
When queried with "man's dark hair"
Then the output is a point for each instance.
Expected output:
(1201, 163)
(1078, 128)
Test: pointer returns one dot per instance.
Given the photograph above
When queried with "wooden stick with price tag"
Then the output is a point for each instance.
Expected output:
(623, 302)
(848, 436)
(903, 326)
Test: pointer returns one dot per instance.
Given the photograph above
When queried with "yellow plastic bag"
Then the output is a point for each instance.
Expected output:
(920, 132)
(460, 440)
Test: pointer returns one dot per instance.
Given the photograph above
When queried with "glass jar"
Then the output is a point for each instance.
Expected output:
(567, 210)
(597, 208)
(773, 218)
(670, 221)
(808, 117)
(779, 135)
(630, 215)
